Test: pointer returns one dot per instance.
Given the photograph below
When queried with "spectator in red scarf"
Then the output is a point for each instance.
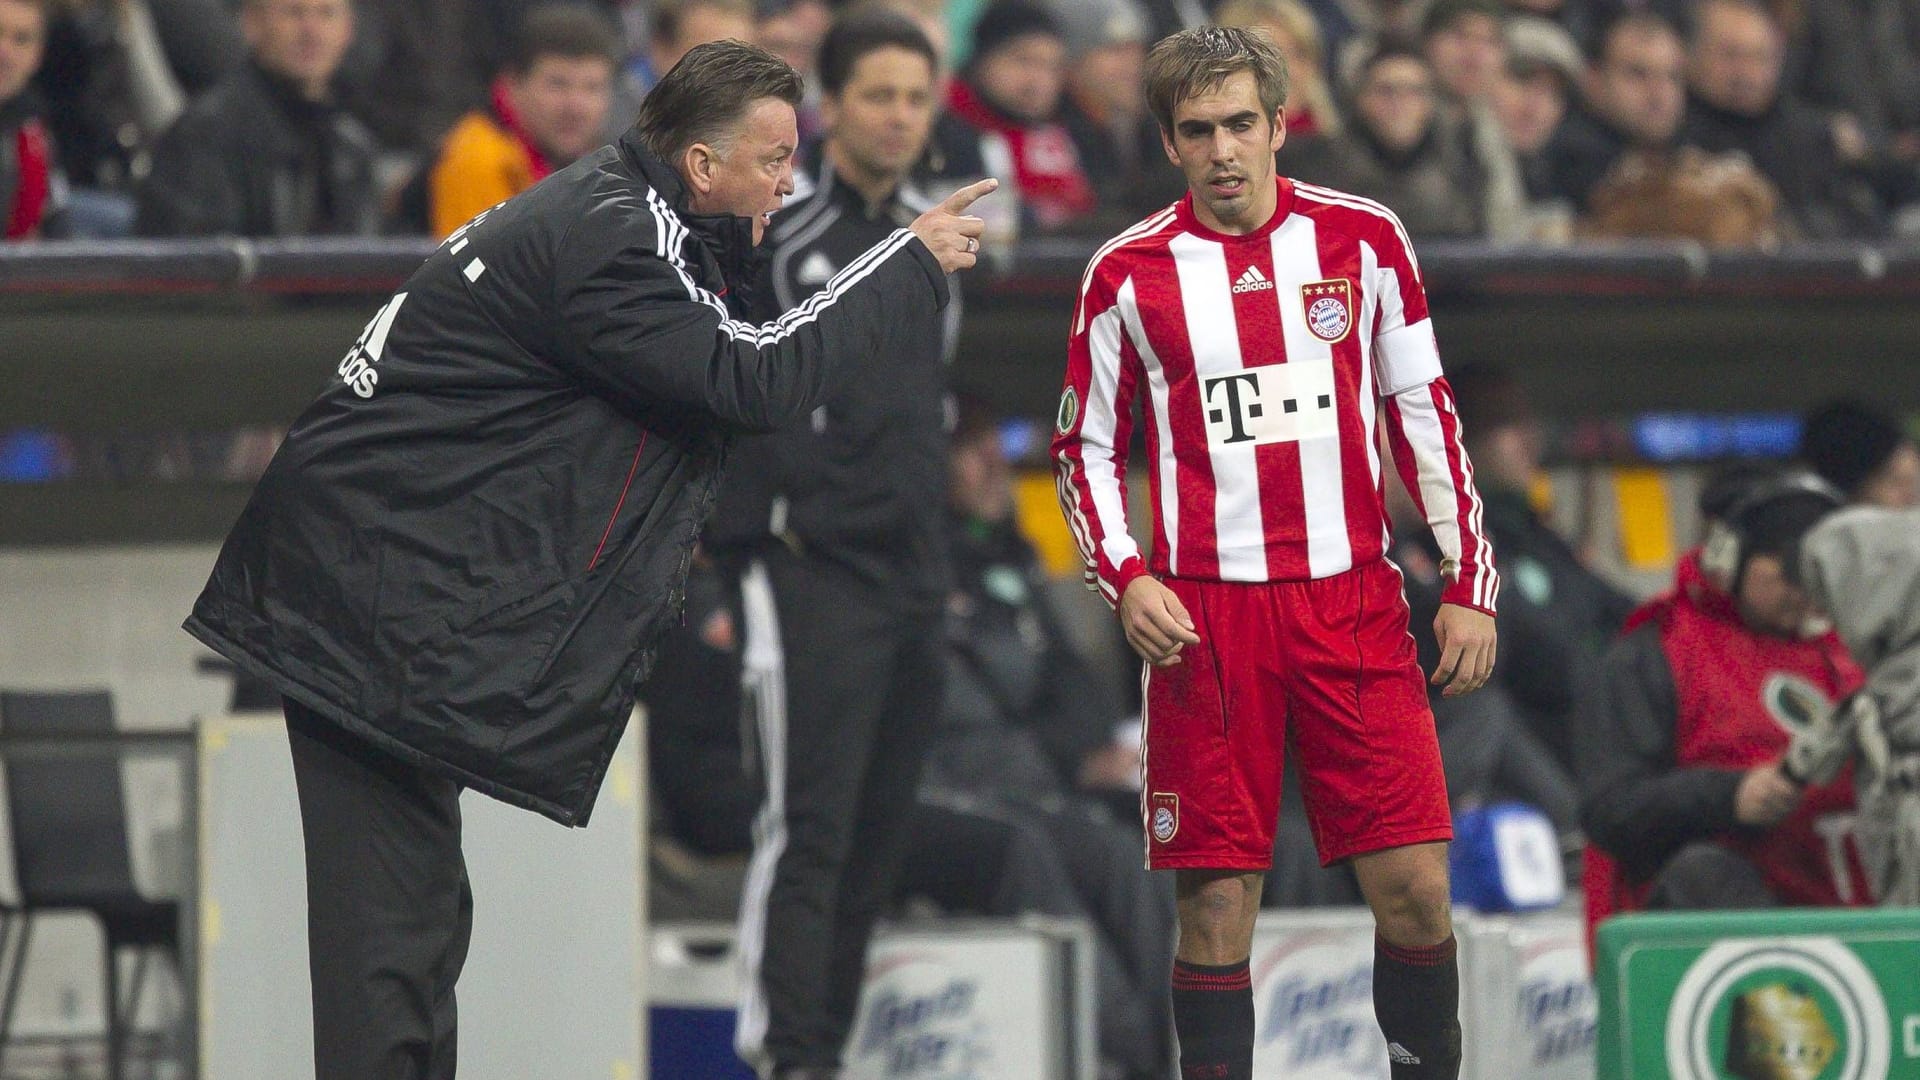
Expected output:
(1006, 102)
(26, 154)
(549, 107)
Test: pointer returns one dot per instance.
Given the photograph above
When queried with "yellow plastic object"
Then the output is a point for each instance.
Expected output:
(1036, 506)
(1646, 518)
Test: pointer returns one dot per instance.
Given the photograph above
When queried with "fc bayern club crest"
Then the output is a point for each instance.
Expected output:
(1165, 819)
(1329, 308)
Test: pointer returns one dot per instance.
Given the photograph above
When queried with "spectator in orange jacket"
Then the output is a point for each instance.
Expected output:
(549, 108)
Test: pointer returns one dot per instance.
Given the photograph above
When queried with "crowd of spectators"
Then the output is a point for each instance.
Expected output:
(1742, 123)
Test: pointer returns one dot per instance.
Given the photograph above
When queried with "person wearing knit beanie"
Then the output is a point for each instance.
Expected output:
(1862, 452)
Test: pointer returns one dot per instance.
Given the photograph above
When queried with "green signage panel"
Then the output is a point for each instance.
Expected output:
(1824, 994)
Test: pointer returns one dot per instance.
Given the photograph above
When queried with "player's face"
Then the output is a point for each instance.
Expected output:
(752, 172)
(563, 101)
(878, 124)
(1224, 141)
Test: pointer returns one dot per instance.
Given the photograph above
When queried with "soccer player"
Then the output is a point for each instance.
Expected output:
(1267, 326)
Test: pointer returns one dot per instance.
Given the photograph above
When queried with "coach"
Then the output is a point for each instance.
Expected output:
(454, 567)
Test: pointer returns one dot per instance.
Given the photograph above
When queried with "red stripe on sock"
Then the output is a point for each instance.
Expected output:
(1428, 956)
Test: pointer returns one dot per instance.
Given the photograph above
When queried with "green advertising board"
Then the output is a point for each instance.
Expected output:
(1824, 994)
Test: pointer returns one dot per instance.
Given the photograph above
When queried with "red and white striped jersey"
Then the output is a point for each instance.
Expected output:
(1263, 363)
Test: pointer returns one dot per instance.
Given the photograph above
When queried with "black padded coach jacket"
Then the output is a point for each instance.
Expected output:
(465, 548)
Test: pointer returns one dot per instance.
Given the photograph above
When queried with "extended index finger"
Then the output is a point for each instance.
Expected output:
(958, 202)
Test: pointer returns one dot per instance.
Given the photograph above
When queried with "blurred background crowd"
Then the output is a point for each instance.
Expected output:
(1732, 122)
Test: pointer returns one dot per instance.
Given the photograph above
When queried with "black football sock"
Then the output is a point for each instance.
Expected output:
(1416, 996)
(1213, 1015)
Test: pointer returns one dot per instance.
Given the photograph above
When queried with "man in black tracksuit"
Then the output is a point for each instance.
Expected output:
(839, 526)
(456, 565)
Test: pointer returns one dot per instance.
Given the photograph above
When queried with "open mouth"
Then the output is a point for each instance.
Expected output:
(1227, 186)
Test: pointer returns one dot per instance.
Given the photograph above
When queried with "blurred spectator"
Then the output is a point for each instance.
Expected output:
(792, 30)
(679, 25)
(1105, 109)
(1026, 731)
(1530, 99)
(1863, 453)
(1465, 41)
(109, 91)
(1739, 104)
(1684, 734)
(1636, 96)
(1400, 150)
(1557, 617)
(1002, 116)
(549, 108)
(27, 170)
(1310, 107)
(1620, 162)
(1893, 42)
(416, 68)
(269, 151)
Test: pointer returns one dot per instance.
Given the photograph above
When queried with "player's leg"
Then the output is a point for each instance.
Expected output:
(1212, 988)
(1215, 731)
(1416, 974)
(1363, 738)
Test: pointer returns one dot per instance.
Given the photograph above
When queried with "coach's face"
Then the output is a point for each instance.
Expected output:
(1224, 141)
(749, 172)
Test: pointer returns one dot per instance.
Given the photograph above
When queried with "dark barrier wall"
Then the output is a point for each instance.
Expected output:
(217, 334)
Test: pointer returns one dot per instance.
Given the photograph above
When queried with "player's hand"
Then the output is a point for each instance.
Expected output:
(1765, 795)
(1467, 644)
(947, 230)
(1156, 622)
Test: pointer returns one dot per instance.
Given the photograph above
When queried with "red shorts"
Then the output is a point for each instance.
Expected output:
(1326, 667)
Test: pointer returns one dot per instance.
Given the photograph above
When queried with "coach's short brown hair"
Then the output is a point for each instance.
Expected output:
(705, 95)
(1195, 61)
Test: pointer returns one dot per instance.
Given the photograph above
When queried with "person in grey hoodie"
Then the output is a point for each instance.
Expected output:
(1862, 566)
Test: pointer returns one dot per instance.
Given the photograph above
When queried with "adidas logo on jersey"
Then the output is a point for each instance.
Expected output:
(1252, 281)
(1400, 1055)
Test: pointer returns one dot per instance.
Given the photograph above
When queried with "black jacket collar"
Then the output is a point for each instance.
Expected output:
(727, 238)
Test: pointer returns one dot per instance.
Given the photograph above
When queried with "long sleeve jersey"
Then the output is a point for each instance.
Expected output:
(1264, 363)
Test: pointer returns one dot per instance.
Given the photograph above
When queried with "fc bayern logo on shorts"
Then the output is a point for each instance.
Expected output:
(1329, 306)
(1166, 815)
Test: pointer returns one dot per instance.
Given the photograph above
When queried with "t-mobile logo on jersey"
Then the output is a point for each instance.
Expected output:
(1274, 404)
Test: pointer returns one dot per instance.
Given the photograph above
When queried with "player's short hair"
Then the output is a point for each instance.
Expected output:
(568, 31)
(1195, 61)
(704, 97)
(863, 31)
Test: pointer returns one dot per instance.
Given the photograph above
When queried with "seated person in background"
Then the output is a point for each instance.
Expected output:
(1530, 100)
(1863, 453)
(1739, 103)
(1561, 616)
(1466, 43)
(26, 151)
(1007, 822)
(1683, 739)
(549, 107)
(1002, 114)
(703, 797)
(269, 151)
(1400, 149)
(1623, 162)
(1295, 32)
(1105, 110)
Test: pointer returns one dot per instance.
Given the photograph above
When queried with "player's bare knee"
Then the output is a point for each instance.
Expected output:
(1414, 910)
